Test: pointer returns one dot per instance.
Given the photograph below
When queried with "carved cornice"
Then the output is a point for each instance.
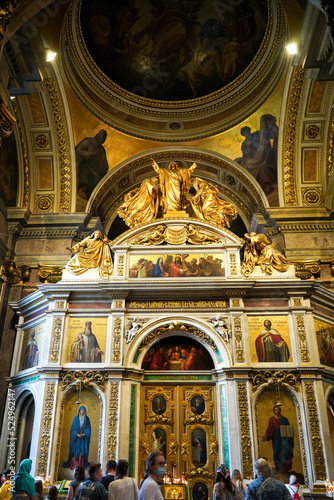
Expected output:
(50, 274)
(48, 233)
(14, 275)
(83, 379)
(306, 227)
(275, 379)
(308, 269)
(290, 134)
(62, 143)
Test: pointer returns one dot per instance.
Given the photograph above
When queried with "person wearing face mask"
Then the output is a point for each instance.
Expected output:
(155, 468)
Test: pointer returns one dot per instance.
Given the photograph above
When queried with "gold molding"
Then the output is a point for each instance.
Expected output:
(62, 144)
(290, 134)
(44, 443)
(7, 120)
(307, 269)
(317, 446)
(245, 435)
(112, 420)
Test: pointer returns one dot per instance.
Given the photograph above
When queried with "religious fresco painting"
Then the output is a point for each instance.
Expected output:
(200, 491)
(86, 340)
(176, 266)
(278, 433)
(269, 339)
(325, 341)
(159, 405)
(8, 171)
(199, 454)
(177, 353)
(158, 440)
(173, 51)
(259, 154)
(79, 433)
(32, 346)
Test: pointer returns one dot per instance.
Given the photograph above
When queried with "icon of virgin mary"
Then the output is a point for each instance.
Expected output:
(79, 440)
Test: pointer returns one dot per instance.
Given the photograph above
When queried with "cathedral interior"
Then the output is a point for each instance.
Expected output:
(167, 237)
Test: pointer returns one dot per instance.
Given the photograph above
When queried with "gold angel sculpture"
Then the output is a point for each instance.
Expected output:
(258, 251)
(141, 204)
(208, 206)
(96, 254)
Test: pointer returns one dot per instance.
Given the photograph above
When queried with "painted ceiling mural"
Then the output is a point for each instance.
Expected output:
(173, 49)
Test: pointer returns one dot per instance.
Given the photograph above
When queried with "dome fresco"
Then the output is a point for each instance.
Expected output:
(172, 50)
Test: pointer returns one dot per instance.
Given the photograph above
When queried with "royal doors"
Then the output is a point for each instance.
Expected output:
(179, 420)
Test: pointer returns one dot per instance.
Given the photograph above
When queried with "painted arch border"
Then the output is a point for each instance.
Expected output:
(301, 420)
(134, 357)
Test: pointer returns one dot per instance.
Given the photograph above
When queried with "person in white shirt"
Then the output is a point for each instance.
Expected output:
(293, 487)
(155, 468)
(123, 486)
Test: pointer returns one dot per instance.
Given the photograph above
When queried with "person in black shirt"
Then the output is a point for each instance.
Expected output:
(110, 474)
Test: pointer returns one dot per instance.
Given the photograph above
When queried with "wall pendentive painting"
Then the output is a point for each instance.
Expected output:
(325, 341)
(87, 340)
(278, 433)
(176, 266)
(177, 353)
(269, 339)
(32, 347)
(79, 433)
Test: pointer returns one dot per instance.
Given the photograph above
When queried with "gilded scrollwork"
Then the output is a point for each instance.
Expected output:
(239, 344)
(307, 269)
(245, 435)
(55, 340)
(117, 334)
(233, 264)
(113, 420)
(120, 265)
(82, 379)
(15, 275)
(7, 120)
(275, 379)
(290, 133)
(316, 440)
(303, 344)
(62, 143)
(51, 274)
(44, 443)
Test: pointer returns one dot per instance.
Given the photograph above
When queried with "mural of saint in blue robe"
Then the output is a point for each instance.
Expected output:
(79, 440)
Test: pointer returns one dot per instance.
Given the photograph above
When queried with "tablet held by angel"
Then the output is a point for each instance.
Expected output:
(141, 205)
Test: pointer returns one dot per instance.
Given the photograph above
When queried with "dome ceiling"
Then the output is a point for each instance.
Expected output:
(173, 70)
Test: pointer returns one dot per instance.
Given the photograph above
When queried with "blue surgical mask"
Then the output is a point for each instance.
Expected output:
(161, 471)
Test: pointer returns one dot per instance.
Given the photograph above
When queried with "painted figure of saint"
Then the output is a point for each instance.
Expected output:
(270, 346)
(202, 450)
(79, 440)
(197, 405)
(157, 444)
(31, 354)
(282, 445)
(85, 348)
(91, 163)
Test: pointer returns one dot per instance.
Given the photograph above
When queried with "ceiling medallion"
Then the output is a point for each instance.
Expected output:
(173, 71)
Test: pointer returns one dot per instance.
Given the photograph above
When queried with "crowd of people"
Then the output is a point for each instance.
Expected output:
(117, 485)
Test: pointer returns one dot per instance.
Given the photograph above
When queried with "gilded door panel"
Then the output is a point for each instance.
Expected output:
(180, 421)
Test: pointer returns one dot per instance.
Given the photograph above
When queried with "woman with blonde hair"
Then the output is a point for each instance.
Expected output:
(236, 477)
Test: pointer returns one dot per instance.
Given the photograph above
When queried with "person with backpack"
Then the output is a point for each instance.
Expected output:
(294, 488)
